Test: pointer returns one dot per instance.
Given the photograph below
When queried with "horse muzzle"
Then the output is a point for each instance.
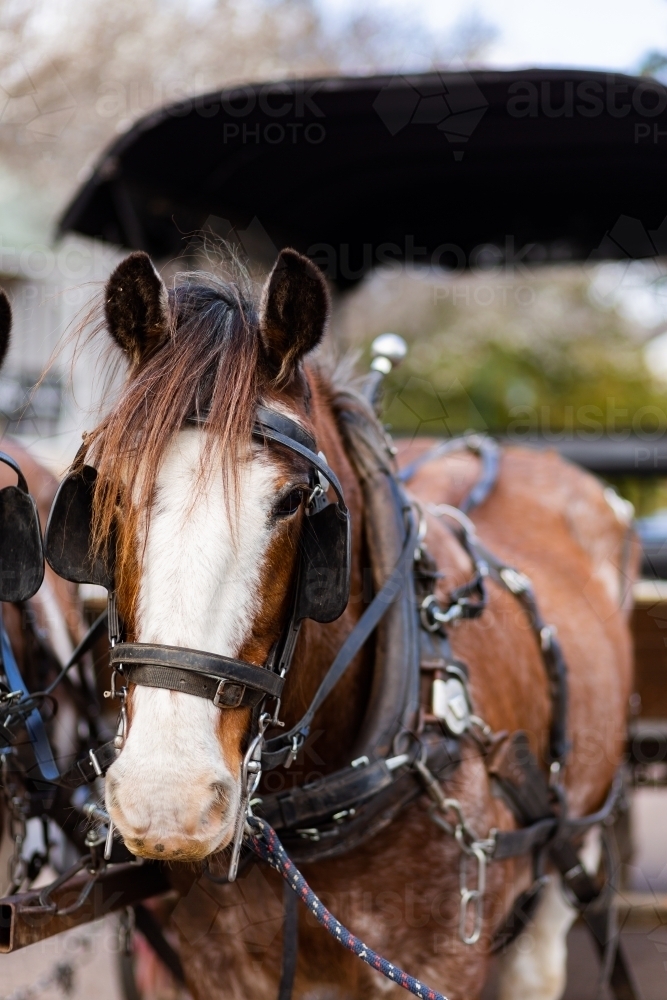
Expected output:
(185, 824)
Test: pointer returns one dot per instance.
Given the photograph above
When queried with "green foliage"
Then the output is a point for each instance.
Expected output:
(532, 355)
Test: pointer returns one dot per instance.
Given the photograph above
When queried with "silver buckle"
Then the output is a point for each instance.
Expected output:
(229, 694)
(449, 703)
(99, 773)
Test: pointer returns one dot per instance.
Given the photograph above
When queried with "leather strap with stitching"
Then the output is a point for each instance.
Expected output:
(228, 682)
(85, 771)
(277, 751)
(262, 430)
(282, 424)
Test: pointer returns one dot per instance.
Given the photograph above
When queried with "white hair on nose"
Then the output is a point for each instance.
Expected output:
(199, 588)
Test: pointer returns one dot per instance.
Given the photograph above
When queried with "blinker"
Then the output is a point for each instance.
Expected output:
(324, 575)
(21, 552)
(323, 586)
(68, 536)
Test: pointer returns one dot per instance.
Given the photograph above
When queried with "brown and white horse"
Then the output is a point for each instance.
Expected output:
(208, 525)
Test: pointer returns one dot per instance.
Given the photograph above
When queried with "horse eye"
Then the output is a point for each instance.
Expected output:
(288, 504)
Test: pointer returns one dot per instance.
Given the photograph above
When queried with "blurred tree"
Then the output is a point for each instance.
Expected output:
(530, 354)
(72, 74)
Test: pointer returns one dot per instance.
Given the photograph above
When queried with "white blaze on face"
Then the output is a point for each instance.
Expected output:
(171, 791)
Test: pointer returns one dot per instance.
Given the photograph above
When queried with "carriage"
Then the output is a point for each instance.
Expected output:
(443, 170)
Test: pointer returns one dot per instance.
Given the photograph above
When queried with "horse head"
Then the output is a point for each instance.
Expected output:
(207, 523)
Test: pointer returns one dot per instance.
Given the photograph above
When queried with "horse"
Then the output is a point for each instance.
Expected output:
(206, 522)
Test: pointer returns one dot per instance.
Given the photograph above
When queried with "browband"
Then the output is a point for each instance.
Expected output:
(227, 682)
(271, 425)
(270, 419)
(282, 424)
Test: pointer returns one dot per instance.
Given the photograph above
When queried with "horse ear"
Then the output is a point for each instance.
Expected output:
(293, 314)
(5, 324)
(136, 307)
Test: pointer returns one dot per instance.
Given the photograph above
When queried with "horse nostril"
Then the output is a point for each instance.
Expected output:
(220, 794)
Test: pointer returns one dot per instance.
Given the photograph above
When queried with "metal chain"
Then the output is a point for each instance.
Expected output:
(17, 866)
(471, 901)
(251, 773)
(17, 808)
(122, 727)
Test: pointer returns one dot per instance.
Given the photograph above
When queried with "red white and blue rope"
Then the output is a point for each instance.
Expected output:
(265, 843)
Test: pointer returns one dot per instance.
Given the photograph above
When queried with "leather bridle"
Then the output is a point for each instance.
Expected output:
(226, 681)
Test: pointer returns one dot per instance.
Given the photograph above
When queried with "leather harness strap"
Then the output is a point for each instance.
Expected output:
(279, 750)
(311, 806)
(86, 770)
(227, 682)
(552, 654)
(479, 444)
(369, 793)
(268, 419)
(271, 425)
(542, 832)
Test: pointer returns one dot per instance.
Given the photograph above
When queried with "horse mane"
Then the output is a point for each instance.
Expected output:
(359, 425)
(208, 364)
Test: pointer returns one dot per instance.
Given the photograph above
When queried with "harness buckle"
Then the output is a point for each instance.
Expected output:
(432, 616)
(251, 773)
(99, 773)
(229, 695)
(449, 703)
(297, 743)
(515, 581)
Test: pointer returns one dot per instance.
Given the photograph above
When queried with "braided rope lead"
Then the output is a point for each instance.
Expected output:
(265, 843)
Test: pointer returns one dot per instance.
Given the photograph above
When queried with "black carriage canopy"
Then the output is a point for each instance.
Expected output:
(453, 169)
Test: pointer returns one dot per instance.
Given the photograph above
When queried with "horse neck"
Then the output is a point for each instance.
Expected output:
(338, 721)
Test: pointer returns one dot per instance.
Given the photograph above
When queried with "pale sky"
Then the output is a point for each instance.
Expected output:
(607, 34)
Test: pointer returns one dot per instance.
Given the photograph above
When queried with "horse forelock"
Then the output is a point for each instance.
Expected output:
(208, 364)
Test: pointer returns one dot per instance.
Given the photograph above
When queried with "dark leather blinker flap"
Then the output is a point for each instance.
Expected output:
(67, 540)
(21, 553)
(324, 579)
